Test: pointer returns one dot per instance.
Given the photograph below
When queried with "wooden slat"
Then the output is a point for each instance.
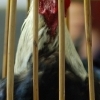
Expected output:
(35, 50)
(28, 4)
(87, 12)
(61, 50)
(4, 71)
(11, 42)
(68, 19)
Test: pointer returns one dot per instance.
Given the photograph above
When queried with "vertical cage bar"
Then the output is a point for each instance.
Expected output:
(10, 59)
(4, 66)
(68, 19)
(28, 5)
(87, 12)
(35, 50)
(61, 50)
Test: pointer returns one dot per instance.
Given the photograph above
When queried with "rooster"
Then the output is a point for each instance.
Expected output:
(47, 39)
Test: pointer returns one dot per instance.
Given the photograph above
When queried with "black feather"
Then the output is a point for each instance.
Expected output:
(48, 83)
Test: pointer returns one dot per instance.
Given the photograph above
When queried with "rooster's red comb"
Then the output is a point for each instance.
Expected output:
(49, 10)
(51, 6)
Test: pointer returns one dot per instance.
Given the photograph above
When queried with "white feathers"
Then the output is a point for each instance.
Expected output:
(73, 58)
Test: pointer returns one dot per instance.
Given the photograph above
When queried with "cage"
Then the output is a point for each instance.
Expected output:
(9, 52)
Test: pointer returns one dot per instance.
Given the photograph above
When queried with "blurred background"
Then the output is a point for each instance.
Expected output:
(77, 32)
(76, 27)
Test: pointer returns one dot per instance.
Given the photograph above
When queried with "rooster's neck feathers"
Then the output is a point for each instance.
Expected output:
(25, 46)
